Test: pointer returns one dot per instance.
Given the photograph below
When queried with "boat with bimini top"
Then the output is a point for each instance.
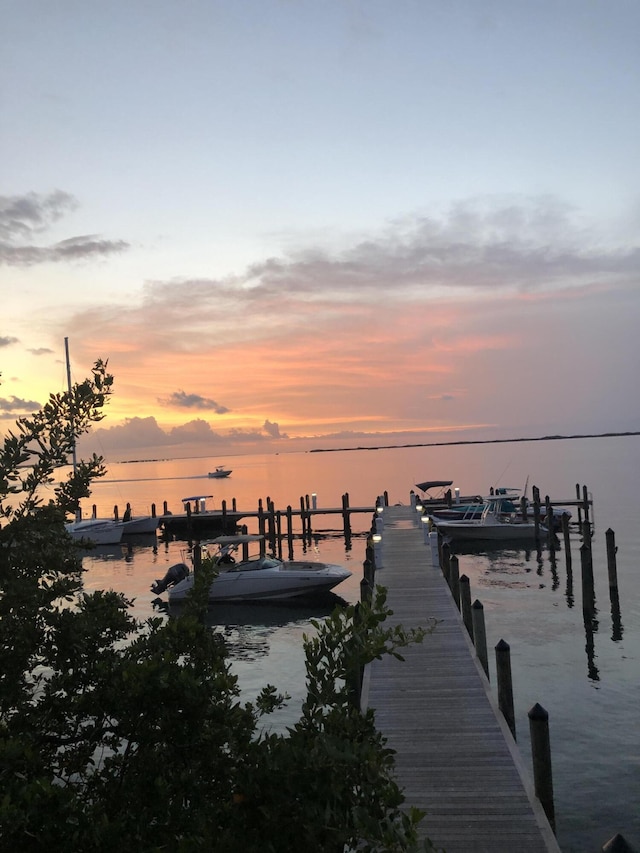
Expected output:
(258, 578)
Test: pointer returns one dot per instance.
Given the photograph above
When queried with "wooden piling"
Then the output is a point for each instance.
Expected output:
(454, 579)
(618, 844)
(346, 518)
(505, 684)
(541, 756)
(465, 604)
(566, 539)
(611, 559)
(585, 498)
(303, 517)
(445, 561)
(551, 538)
(365, 590)
(290, 531)
(588, 591)
(480, 635)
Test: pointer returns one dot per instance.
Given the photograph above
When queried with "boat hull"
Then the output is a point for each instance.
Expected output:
(500, 532)
(289, 580)
(96, 532)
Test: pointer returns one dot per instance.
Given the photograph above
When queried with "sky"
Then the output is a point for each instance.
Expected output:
(322, 223)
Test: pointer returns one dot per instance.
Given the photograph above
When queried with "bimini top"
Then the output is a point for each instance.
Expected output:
(433, 484)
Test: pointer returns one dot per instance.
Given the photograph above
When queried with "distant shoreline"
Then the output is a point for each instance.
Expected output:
(417, 444)
(474, 441)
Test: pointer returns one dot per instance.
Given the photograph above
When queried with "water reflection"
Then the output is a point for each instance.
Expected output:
(248, 629)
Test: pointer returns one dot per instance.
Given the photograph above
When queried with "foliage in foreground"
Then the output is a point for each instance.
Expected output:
(129, 735)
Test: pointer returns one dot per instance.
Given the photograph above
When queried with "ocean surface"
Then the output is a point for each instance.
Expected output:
(586, 674)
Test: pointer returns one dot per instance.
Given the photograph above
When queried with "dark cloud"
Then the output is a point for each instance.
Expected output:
(273, 430)
(137, 433)
(483, 246)
(13, 407)
(23, 217)
(6, 341)
(182, 400)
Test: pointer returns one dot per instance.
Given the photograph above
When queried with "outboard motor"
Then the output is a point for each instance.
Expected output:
(174, 575)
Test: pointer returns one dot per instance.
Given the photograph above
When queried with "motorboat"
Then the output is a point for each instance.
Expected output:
(259, 578)
(97, 531)
(197, 518)
(220, 472)
(494, 523)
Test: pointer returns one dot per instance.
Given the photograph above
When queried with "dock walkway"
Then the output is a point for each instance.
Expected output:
(455, 756)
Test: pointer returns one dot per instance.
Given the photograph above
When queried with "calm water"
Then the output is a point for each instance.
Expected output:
(587, 678)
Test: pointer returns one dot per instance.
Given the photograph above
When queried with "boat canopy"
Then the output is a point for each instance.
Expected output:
(196, 498)
(433, 484)
(239, 539)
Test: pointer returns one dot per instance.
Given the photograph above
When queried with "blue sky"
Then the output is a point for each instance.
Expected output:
(374, 217)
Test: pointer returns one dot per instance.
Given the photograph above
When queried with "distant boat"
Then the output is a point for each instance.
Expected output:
(220, 472)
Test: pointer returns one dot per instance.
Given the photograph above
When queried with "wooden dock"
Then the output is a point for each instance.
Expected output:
(455, 756)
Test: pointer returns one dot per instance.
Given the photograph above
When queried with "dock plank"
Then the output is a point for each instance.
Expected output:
(455, 757)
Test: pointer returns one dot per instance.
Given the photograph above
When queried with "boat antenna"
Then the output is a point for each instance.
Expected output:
(526, 486)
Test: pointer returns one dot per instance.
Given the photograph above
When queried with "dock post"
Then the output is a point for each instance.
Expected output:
(550, 522)
(308, 514)
(224, 516)
(505, 684)
(290, 530)
(116, 517)
(588, 592)
(165, 508)
(346, 519)
(567, 540)
(611, 560)
(585, 498)
(303, 517)
(153, 510)
(365, 591)
(197, 559)
(454, 579)
(618, 844)
(579, 505)
(446, 561)
(465, 604)
(480, 635)
(541, 755)
(369, 572)
(187, 509)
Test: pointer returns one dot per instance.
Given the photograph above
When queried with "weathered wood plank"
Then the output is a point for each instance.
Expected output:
(455, 757)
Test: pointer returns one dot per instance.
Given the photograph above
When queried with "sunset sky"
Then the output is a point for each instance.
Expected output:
(292, 223)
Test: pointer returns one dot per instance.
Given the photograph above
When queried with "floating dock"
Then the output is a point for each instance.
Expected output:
(455, 756)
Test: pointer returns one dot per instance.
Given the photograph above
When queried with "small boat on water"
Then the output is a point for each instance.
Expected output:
(258, 578)
(220, 472)
(96, 531)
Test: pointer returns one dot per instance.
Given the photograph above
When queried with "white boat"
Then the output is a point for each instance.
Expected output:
(260, 578)
(493, 524)
(220, 472)
(97, 531)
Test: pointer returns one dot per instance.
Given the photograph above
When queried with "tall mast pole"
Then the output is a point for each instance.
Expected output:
(66, 354)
